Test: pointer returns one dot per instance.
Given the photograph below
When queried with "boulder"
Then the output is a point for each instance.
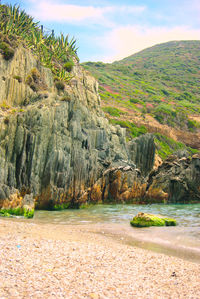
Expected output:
(146, 220)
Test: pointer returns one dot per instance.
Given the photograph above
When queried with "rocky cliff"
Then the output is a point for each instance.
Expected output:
(57, 148)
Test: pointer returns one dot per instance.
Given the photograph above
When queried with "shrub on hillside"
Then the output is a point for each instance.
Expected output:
(60, 85)
(132, 130)
(6, 51)
(68, 66)
(112, 111)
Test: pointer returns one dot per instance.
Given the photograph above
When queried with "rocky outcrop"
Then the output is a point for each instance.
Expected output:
(56, 145)
(14, 74)
(176, 180)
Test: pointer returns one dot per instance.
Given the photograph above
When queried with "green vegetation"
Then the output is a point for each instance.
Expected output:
(113, 111)
(35, 81)
(167, 146)
(28, 213)
(18, 78)
(85, 206)
(60, 85)
(69, 65)
(60, 207)
(6, 50)
(176, 118)
(17, 212)
(146, 220)
(56, 53)
(132, 130)
(162, 81)
(64, 206)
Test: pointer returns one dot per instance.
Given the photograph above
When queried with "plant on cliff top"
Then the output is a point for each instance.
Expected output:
(52, 51)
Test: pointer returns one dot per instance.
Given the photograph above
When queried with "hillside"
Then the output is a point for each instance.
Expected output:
(157, 88)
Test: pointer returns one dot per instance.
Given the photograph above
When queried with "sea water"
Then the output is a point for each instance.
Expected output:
(114, 221)
(187, 215)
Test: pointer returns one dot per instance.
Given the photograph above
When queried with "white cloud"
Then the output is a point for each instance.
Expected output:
(66, 12)
(49, 11)
(127, 40)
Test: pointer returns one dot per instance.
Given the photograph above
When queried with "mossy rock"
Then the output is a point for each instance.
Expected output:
(26, 213)
(60, 207)
(146, 220)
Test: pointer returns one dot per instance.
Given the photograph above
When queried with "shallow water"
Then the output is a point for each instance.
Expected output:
(186, 215)
(113, 220)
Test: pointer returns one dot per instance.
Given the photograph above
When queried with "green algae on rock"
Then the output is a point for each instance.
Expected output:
(25, 212)
(146, 220)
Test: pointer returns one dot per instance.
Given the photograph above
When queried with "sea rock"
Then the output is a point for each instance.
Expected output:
(146, 220)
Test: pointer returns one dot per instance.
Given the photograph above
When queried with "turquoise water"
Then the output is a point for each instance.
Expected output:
(186, 215)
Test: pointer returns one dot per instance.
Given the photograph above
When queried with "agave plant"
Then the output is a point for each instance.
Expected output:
(66, 46)
(62, 75)
(15, 21)
(52, 51)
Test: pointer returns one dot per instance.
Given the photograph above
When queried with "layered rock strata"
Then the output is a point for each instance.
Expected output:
(56, 146)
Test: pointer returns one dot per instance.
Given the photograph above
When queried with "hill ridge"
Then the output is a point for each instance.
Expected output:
(160, 82)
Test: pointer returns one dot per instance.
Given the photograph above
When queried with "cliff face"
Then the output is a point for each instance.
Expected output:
(176, 180)
(56, 145)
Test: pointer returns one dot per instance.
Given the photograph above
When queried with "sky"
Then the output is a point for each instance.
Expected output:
(110, 30)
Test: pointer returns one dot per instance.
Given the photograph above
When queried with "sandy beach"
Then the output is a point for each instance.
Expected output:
(65, 261)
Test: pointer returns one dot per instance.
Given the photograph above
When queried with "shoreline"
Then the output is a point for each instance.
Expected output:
(178, 241)
(147, 240)
(73, 261)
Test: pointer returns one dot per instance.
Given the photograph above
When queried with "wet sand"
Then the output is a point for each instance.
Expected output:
(76, 261)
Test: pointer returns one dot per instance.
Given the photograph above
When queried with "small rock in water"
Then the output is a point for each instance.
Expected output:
(146, 220)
